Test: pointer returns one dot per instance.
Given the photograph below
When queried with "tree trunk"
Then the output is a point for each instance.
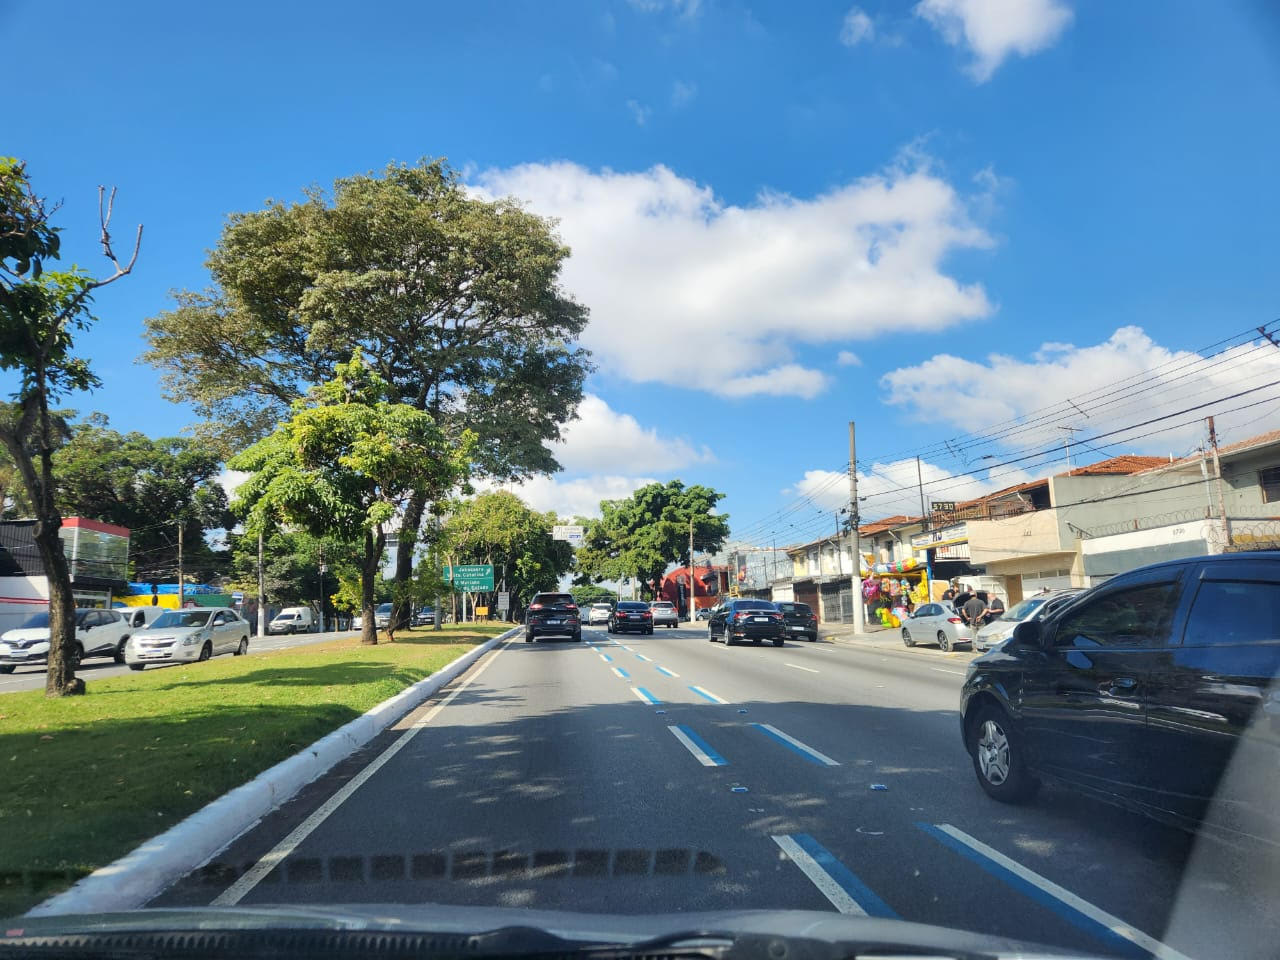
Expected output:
(61, 679)
(402, 608)
(368, 577)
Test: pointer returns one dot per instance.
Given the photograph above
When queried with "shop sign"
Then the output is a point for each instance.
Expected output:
(943, 536)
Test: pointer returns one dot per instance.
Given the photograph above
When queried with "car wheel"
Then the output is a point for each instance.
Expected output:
(778, 643)
(577, 638)
(711, 634)
(119, 655)
(137, 666)
(813, 637)
(528, 638)
(906, 638)
(649, 632)
(998, 756)
(943, 643)
(205, 652)
(728, 639)
(77, 654)
(6, 669)
(243, 648)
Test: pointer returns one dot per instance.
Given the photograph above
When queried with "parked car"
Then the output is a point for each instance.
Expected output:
(196, 633)
(424, 617)
(599, 613)
(743, 620)
(99, 633)
(382, 616)
(552, 615)
(357, 622)
(936, 623)
(664, 613)
(800, 619)
(294, 620)
(704, 613)
(1140, 692)
(1034, 607)
(139, 617)
(631, 615)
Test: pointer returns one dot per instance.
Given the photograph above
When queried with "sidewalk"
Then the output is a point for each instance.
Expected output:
(885, 639)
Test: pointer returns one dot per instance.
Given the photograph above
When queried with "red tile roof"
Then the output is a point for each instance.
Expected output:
(1258, 440)
(1126, 463)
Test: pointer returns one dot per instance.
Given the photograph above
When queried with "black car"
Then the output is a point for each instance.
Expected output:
(754, 620)
(1140, 692)
(800, 619)
(552, 615)
(631, 615)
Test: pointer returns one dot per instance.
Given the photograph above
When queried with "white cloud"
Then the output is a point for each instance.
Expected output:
(856, 27)
(578, 496)
(604, 439)
(231, 480)
(685, 8)
(995, 29)
(683, 93)
(657, 256)
(847, 358)
(639, 112)
(1101, 379)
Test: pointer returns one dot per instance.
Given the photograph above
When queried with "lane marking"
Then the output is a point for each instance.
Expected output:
(698, 747)
(622, 674)
(645, 695)
(625, 647)
(666, 672)
(833, 879)
(958, 673)
(606, 658)
(791, 743)
(1079, 912)
(253, 876)
(796, 666)
(641, 656)
(707, 695)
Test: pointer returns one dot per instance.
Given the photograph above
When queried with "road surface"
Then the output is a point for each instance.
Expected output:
(664, 773)
(95, 668)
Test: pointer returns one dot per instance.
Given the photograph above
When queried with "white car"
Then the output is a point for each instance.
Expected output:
(182, 636)
(665, 613)
(1035, 607)
(599, 613)
(99, 633)
(936, 623)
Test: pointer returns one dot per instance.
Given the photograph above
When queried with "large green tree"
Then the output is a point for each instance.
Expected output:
(500, 529)
(649, 531)
(150, 486)
(344, 464)
(41, 312)
(454, 301)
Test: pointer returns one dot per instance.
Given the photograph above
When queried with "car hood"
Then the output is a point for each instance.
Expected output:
(161, 632)
(24, 637)
(509, 932)
(997, 627)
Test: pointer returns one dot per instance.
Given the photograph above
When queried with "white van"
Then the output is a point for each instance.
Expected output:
(293, 620)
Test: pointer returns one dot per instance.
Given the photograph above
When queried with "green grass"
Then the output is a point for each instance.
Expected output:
(84, 780)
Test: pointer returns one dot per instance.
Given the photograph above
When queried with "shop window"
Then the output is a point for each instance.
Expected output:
(1269, 481)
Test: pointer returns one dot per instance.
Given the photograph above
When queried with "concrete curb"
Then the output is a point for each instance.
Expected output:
(141, 874)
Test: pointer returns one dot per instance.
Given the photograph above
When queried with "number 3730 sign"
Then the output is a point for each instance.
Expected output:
(470, 577)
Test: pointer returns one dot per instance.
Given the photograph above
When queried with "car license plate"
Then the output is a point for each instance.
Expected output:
(759, 619)
(554, 622)
(19, 654)
(798, 629)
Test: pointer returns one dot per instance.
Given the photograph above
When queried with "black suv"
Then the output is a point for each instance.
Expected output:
(800, 619)
(747, 620)
(552, 615)
(631, 615)
(1154, 690)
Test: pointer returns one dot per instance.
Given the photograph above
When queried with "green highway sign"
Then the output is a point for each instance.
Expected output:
(470, 576)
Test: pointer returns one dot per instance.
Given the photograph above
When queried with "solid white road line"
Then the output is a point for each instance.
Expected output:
(254, 875)
(821, 879)
(798, 746)
(796, 666)
(958, 673)
(620, 675)
(707, 694)
(702, 755)
(1096, 914)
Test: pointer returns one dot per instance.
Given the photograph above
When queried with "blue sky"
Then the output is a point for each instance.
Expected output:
(784, 216)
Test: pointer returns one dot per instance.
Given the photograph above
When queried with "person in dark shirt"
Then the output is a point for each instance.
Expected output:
(961, 598)
(995, 609)
(949, 594)
(972, 611)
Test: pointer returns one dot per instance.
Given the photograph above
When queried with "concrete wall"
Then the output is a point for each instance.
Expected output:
(1024, 535)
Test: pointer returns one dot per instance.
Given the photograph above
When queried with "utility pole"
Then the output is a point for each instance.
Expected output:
(855, 521)
(689, 599)
(1217, 470)
(924, 526)
(322, 588)
(181, 588)
(262, 592)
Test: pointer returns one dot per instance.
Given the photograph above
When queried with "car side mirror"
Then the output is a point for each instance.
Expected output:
(1027, 634)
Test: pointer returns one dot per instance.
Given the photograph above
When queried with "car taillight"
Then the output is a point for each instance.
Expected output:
(954, 620)
(646, 614)
(571, 606)
(535, 606)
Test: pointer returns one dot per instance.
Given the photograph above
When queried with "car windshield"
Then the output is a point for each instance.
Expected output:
(1022, 610)
(784, 326)
(182, 618)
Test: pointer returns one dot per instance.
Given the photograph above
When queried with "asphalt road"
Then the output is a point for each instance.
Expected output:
(664, 773)
(95, 668)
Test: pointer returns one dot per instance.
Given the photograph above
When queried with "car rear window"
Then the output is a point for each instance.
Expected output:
(795, 608)
(632, 605)
(754, 605)
(554, 598)
(664, 604)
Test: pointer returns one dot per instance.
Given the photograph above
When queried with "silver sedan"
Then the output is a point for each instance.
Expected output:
(936, 623)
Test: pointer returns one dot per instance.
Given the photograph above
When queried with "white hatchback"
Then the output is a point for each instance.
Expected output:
(599, 613)
(665, 613)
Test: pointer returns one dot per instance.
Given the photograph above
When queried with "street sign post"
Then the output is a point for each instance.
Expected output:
(504, 602)
(471, 577)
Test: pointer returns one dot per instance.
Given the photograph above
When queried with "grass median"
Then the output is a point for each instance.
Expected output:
(84, 780)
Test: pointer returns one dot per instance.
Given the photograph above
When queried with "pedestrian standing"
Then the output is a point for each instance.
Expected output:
(972, 611)
(995, 608)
